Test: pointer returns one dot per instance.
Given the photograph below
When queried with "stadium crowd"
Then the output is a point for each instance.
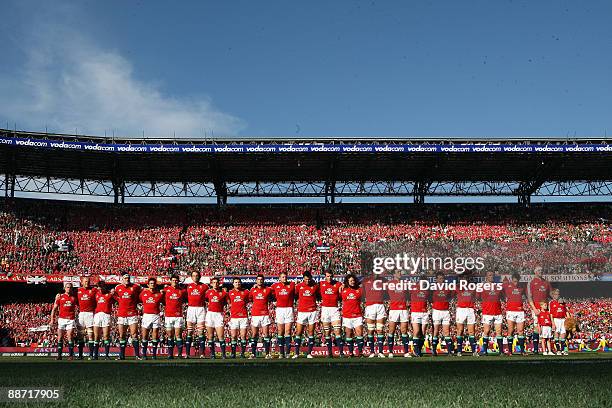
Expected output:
(38, 237)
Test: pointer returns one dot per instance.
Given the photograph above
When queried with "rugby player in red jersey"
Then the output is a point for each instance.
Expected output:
(151, 299)
(86, 296)
(216, 297)
(538, 291)
(329, 290)
(515, 315)
(127, 296)
(419, 315)
(261, 296)
(284, 293)
(65, 303)
(196, 313)
(238, 299)
(465, 316)
(101, 324)
(440, 314)
(375, 313)
(398, 313)
(559, 312)
(491, 314)
(352, 317)
(174, 299)
(307, 292)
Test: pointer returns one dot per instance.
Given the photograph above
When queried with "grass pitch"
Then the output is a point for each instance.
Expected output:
(578, 380)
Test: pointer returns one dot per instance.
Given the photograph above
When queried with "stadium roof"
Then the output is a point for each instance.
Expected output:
(413, 166)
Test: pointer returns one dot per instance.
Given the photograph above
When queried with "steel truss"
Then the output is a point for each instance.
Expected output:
(324, 189)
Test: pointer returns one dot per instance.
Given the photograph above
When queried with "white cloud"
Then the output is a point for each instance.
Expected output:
(68, 82)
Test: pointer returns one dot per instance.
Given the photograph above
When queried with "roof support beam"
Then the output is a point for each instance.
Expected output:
(221, 192)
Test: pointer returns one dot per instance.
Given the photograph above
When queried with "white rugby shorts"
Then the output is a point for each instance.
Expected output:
(465, 315)
(85, 320)
(400, 316)
(284, 315)
(101, 319)
(150, 321)
(196, 314)
(375, 312)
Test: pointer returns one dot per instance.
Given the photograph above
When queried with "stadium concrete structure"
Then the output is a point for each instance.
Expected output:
(328, 168)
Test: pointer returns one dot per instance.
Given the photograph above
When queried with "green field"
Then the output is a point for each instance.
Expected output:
(579, 380)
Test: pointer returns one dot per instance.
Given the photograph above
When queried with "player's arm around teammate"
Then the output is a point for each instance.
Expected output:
(260, 296)
(465, 317)
(440, 315)
(307, 316)
(174, 298)
(398, 314)
(491, 315)
(375, 314)
(127, 295)
(239, 321)
(215, 316)
(329, 291)
(284, 293)
(419, 315)
(196, 314)
(64, 305)
(102, 316)
(151, 298)
(515, 315)
(86, 297)
(352, 316)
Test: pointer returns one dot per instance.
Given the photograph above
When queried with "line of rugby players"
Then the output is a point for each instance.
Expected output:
(337, 306)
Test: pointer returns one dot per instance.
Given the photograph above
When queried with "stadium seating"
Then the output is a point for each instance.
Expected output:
(145, 240)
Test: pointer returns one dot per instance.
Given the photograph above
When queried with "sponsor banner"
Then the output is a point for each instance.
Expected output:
(577, 277)
(489, 147)
(250, 279)
(42, 328)
(318, 351)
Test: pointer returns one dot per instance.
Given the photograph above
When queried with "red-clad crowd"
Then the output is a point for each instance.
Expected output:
(38, 237)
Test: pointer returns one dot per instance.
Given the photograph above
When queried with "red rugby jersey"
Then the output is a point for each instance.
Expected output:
(558, 310)
(491, 302)
(127, 297)
(397, 297)
(261, 299)
(216, 300)
(174, 298)
(351, 302)
(440, 299)
(330, 293)
(104, 302)
(66, 305)
(238, 300)
(151, 301)
(544, 318)
(307, 297)
(374, 291)
(418, 300)
(466, 298)
(284, 294)
(87, 299)
(540, 291)
(514, 297)
(195, 294)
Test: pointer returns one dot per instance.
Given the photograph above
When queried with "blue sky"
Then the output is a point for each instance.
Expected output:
(341, 68)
